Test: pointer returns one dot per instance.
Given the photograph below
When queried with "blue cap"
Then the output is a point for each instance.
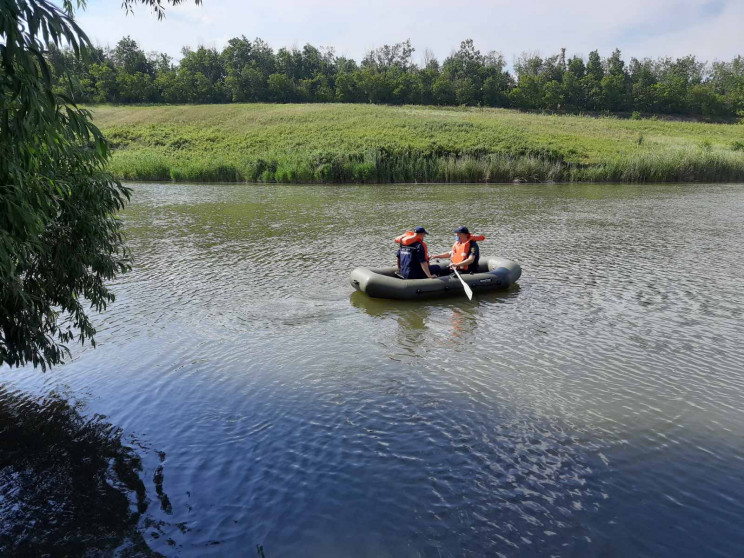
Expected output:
(420, 230)
(463, 230)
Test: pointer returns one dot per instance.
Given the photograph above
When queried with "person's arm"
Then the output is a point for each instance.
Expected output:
(440, 256)
(421, 259)
(474, 250)
(470, 260)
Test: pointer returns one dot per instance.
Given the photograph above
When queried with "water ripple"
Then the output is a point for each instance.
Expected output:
(595, 409)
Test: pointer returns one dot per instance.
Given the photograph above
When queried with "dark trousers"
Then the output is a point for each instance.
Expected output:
(438, 270)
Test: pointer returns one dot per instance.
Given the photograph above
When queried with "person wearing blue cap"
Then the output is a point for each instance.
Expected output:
(413, 256)
(465, 252)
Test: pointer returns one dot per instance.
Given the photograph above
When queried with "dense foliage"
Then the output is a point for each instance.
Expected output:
(250, 71)
(59, 237)
(326, 142)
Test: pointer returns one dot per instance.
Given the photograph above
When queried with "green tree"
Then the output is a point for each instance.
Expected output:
(406, 87)
(573, 92)
(375, 85)
(262, 57)
(540, 82)
(204, 69)
(315, 90)
(674, 80)
(347, 89)
(643, 80)
(236, 60)
(135, 73)
(136, 88)
(591, 83)
(106, 86)
(443, 92)
(528, 94)
(399, 55)
(59, 238)
(727, 79)
(240, 73)
(130, 58)
(594, 66)
(702, 99)
(205, 61)
(614, 84)
(281, 88)
(466, 69)
(173, 88)
(427, 76)
(497, 82)
(495, 91)
(465, 62)
(467, 91)
(247, 67)
(553, 95)
(576, 66)
(71, 74)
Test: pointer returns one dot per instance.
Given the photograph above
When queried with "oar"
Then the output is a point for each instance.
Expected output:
(468, 290)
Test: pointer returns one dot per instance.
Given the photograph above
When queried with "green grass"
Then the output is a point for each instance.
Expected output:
(380, 144)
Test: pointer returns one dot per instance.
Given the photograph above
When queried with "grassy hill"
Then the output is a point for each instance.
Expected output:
(379, 144)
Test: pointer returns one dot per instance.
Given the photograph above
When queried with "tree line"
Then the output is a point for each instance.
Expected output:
(251, 71)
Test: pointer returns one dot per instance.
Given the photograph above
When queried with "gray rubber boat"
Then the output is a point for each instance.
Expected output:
(493, 274)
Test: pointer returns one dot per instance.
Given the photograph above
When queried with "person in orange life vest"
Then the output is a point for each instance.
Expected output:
(465, 253)
(413, 256)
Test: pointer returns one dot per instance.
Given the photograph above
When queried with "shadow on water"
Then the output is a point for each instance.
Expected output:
(68, 483)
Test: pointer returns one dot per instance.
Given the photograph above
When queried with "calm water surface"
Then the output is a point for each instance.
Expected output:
(596, 409)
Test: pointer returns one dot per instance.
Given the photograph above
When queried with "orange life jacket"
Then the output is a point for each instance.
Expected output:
(461, 250)
(409, 237)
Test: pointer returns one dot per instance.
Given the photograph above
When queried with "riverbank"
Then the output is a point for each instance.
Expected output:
(381, 144)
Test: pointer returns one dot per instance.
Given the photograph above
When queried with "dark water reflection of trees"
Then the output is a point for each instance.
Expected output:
(69, 485)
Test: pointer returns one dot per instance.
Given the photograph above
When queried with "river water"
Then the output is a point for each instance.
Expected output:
(595, 409)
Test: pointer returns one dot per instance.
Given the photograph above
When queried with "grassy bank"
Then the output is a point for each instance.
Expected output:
(379, 144)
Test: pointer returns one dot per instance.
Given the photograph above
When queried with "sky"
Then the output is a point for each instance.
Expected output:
(709, 29)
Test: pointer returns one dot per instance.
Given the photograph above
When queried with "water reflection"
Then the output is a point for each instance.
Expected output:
(69, 485)
(463, 324)
(461, 315)
(596, 410)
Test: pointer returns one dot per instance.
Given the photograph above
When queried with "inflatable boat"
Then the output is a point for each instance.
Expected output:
(492, 274)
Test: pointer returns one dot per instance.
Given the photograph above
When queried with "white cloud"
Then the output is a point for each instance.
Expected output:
(718, 37)
(706, 28)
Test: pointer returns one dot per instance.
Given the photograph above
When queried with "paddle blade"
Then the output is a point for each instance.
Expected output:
(468, 290)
